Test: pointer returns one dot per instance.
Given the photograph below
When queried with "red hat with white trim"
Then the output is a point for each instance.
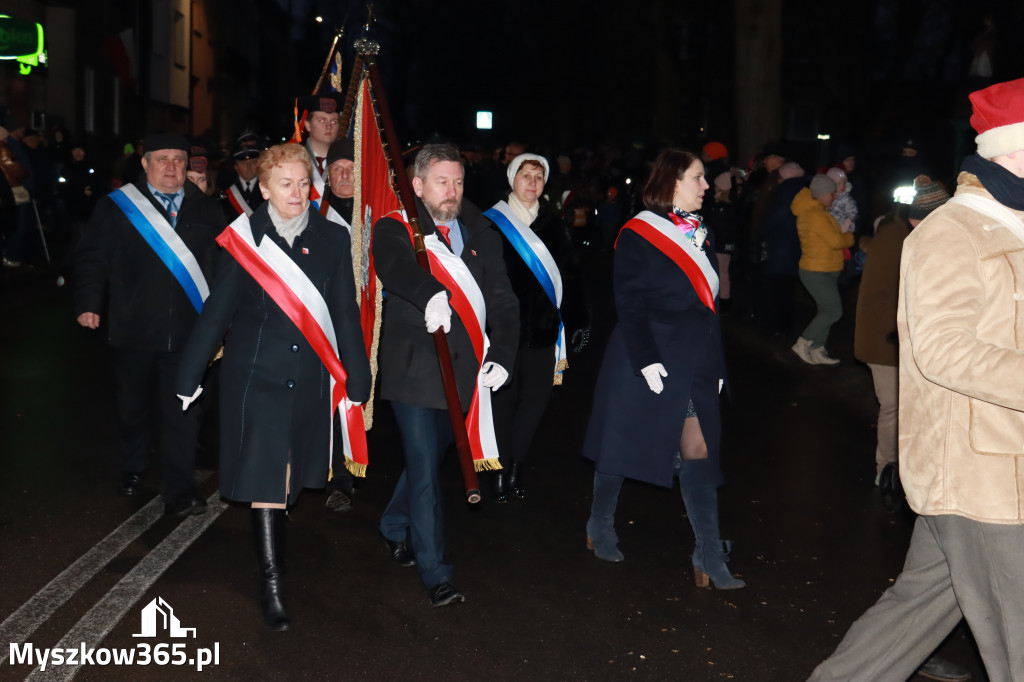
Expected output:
(999, 118)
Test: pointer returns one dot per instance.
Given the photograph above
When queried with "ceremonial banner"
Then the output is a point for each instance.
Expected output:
(375, 198)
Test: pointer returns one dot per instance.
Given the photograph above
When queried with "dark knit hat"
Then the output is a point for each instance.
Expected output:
(340, 149)
(822, 185)
(929, 195)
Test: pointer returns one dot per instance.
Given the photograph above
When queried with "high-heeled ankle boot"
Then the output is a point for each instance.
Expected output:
(601, 536)
(515, 480)
(268, 534)
(709, 555)
(498, 486)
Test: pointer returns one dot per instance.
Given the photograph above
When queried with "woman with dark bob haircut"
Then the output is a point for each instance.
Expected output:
(656, 414)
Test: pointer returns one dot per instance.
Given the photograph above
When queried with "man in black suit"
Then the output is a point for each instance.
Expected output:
(147, 255)
(416, 306)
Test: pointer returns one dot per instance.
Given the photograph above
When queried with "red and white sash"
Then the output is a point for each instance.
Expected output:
(335, 217)
(316, 191)
(238, 201)
(691, 259)
(290, 288)
(467, 301)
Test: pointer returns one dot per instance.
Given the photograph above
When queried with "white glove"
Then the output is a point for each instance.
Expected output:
(438, 313)
(188, 400)
(493, 376)
(653, 374)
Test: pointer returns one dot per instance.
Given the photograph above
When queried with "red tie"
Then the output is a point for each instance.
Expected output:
(320, 163)
(444, 229)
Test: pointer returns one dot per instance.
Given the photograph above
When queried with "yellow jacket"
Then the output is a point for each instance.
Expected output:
(821, 240)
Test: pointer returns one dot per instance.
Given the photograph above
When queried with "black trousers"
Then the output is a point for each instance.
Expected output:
(519, 406)
(145, 381)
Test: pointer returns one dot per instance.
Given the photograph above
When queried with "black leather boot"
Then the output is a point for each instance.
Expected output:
(515, 480)
(498, 486)
(268, 533)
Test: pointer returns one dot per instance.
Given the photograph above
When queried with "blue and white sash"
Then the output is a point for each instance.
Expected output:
(165, 242)
(541, 263)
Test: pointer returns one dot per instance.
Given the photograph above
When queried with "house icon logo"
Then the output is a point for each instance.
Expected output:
(158, 615)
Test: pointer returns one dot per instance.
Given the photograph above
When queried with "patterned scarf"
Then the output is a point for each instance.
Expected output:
(691, 225)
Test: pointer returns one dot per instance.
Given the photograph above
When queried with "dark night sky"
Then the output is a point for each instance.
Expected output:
(562, 72)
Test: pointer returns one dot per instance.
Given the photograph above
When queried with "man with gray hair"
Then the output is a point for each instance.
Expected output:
(961, 419)
(417, 304)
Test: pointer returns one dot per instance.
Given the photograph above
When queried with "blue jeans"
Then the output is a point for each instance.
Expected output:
(824, 289)
(415, 505)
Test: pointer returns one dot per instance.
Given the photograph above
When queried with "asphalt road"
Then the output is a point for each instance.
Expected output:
(79, 563)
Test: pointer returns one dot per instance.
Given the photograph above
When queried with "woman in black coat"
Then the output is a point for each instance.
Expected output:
(545, 276)
(656, 413)
(276, 405)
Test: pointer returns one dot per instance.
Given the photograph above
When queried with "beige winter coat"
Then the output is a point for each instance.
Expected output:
(961, 330)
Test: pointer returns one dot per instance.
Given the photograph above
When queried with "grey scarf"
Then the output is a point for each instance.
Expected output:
(288, 229)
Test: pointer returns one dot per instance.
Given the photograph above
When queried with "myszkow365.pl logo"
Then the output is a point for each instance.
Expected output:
(157, 619)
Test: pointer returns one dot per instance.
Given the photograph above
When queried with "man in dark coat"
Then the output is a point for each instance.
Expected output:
(340, 167)
(340, 164)
(778, 244)
(150, 310)
(409, 370)
(243, 195)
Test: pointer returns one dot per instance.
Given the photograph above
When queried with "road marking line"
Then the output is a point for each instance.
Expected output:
(20, 625)
(108, 611)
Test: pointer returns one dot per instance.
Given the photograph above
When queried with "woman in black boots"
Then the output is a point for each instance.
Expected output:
(545, 276)
(285, 292)
(656, 413)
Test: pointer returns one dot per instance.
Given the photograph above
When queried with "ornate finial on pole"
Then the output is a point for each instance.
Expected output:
(365, 45)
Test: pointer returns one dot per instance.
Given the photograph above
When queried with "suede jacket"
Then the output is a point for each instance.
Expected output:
(961, 331)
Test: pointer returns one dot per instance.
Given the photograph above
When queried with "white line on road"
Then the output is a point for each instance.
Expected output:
(20, 625)
(108, 611)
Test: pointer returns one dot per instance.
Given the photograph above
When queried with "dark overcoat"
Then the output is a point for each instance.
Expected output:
(274, 390)
(634, 432)
(409, 369)
(118, 275)
(777, 233)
